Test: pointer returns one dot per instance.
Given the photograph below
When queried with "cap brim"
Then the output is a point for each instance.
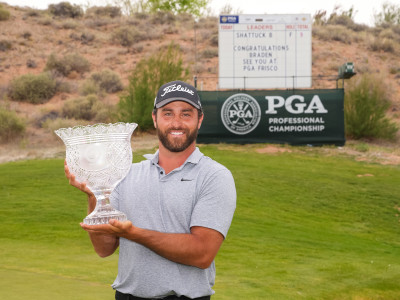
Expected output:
(168, 100)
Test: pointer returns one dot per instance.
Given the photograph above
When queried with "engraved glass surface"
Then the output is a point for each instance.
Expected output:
(99, 155)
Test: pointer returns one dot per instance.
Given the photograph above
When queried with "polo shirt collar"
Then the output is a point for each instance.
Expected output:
(193, 158)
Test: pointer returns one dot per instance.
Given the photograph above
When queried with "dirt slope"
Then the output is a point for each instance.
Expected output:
(29, 37)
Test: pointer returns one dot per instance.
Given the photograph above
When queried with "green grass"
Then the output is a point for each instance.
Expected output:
(307, 226)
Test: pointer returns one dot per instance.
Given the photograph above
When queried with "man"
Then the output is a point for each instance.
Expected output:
(179, 204)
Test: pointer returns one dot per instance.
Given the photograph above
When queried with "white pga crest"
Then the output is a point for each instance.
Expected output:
(240, 114)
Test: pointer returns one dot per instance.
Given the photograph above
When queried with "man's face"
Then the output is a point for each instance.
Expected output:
(177, 124)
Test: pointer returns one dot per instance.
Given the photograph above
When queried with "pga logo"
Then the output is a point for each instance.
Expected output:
(240, 114)
(295, 105)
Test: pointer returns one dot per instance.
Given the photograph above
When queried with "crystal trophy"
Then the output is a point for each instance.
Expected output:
(99, 155)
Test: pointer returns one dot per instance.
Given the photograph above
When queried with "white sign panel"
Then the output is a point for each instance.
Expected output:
(265, 51)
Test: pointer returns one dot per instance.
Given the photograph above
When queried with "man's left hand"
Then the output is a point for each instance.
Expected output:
(114, 227)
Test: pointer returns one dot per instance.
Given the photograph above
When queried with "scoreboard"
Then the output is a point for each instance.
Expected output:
(265, 51)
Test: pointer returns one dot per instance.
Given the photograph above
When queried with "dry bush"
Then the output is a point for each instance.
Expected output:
(88, 108)
(170, 29)
(103, 11)
(69, 24)
(98, 22)
(5, 45)
(65, 10)
(32, 13)
(33, 88)
(11, 126)
(396, 29)
(45, 21)
(387, 33)
(204, 34)
(54, 124)
(69, 63)
(162, 17)
(128, 36)
(382, 44)
(185, 18)
(26, 35)
(85, 38)
(209, 53)
(107, 80)
(4, 14)
(80, 108)
(156, 33)
(89, 87)
(209, 23)
(347, 22)
(333, 33)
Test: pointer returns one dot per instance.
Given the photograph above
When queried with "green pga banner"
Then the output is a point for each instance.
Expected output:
(313, 117)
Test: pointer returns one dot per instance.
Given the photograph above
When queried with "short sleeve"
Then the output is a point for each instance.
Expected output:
(216, 202)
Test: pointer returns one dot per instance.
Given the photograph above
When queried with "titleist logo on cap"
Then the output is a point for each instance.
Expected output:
(174, 87)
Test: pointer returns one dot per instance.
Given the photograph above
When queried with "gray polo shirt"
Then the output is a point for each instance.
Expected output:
(201, 192)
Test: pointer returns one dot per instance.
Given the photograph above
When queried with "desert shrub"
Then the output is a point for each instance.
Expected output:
(11, 126)
(108, 81)
(85, 38)
(396, 29)
(214, 40)
(67, 64)
(26, 35)
(365, 106)
(54, 124)
(136, 104)
(66, 10)
(104, 11)
(95, 22)
(69, 24)
(33, 88)
(4, 14)
(30, 63)
(52, 115)
(105, 113)
(80, 108)
(333, 33)
(341, 20)
(382, 44)
(45, 21)
(162, 17)
(89, 87)
(32, 13)
(88, 108)
(210, 53)
(127, 36)
(5, 45)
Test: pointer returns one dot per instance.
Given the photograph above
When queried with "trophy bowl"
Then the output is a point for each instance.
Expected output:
(99, 155)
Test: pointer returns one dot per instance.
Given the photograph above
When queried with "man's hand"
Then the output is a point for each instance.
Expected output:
(72, 181)
(114, 228)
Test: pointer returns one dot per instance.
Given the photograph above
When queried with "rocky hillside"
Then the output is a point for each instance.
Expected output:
(29, 37)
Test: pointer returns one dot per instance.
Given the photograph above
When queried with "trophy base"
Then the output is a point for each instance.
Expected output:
(103, 215)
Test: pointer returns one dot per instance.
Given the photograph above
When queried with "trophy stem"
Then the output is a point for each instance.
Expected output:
(103, 211)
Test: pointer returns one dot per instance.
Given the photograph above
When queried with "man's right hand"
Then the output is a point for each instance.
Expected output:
(72, 181)
(81, 186)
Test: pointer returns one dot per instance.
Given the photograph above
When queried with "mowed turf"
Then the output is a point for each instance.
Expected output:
(307, 226)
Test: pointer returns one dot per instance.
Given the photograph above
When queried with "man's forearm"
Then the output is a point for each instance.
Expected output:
(103, 244)
(197, 248)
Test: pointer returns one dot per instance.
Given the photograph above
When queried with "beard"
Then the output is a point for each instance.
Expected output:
(175, 144)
